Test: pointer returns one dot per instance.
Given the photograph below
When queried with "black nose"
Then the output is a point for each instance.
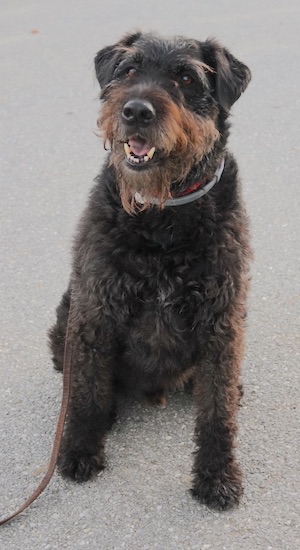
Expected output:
(138, 111)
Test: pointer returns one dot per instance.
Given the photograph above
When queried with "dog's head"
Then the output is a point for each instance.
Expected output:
(162, 102)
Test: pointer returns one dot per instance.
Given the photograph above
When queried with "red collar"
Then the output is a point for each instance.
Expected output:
(191, 189)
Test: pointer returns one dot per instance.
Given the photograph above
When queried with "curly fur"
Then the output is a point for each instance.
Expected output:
(160, 294)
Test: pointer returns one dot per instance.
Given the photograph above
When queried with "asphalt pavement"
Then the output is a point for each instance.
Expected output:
(50, 155)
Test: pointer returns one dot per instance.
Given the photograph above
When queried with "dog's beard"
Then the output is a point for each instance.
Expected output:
(151, 183)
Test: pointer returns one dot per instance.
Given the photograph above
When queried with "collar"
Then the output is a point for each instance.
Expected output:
(192, 193)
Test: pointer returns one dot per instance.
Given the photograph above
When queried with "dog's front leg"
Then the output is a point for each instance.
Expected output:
(90, 413)
(217, 477)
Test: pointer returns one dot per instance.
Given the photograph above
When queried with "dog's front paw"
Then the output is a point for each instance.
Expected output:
(220, 491)
(80, 466)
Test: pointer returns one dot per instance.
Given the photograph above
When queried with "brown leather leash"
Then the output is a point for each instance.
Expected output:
(67, 378)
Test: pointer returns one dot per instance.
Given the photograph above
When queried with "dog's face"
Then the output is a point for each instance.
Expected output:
(161, 104)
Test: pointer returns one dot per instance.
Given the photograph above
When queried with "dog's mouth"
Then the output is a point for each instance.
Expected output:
(139, 153)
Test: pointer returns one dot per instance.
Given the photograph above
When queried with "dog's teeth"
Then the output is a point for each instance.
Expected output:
(127, 149)
(137, 160)
(151, 153)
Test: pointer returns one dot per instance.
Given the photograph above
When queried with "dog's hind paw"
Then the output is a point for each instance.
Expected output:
(156, 399)
(80, 467)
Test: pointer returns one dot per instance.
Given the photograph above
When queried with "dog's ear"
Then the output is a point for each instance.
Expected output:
(108, 58)
(231, 77)
(105, 62)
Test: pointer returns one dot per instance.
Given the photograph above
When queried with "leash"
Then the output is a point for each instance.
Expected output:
(67, 375)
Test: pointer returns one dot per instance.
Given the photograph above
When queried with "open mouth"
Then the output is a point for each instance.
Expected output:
(138, 151)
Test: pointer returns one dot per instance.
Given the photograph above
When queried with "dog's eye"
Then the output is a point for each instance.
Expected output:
(186, 79)
(131, 71)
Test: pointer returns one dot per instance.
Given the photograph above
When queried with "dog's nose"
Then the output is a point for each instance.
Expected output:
(138, 111)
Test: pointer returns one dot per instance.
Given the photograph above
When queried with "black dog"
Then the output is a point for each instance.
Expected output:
(161, 256)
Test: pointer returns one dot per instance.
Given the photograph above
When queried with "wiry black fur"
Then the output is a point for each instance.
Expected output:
(163, 291)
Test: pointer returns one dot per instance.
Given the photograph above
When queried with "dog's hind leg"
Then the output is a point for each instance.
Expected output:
(58, 332)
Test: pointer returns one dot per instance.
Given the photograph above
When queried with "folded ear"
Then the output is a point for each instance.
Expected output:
(105, 63)
(231, 77)
(108, 58)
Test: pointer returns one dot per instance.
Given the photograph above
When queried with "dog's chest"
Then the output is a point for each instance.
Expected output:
(162, 324)
(163, 317)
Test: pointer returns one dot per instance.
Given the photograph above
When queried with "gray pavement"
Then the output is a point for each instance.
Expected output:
(50, 157)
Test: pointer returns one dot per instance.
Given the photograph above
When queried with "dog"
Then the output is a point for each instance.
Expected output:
(161, 256)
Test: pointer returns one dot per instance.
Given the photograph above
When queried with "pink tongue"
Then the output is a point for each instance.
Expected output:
(138, 147)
